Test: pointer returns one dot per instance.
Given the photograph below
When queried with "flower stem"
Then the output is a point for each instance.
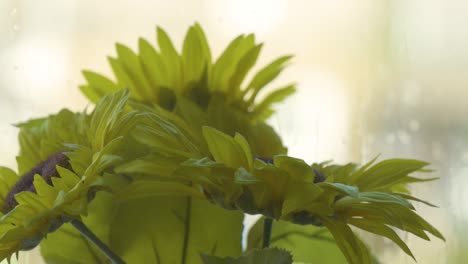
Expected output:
(188, 212)
(267, 226)
(84, 230)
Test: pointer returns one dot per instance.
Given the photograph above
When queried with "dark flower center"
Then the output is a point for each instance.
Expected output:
(46, 169)
(319, 176)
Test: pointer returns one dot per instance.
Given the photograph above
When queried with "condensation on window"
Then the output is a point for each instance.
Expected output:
(375, 78)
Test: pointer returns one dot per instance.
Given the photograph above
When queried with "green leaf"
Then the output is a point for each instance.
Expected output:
(202, 163)
(387, 173)
(336, 173)
(358, 173)
(153, 165)
(296, 168)
(105, 117)
(264, 141)
(372, 259)
(68, 177)
(32, 200)
(240, 140)
(380, 197)
(382, 230)
(195, 117)
(98, 86)
(203, 41)
(171, 60)
(258, 256)
(343, 188)
(144, 189)
(225, 66)
(225, 149)
(8, 179)
(166, 140)
(243, 67)
(40, 138)
(131, 65)
(353, 249)
(215, 178)
(303, 196)
(123, 80)
(152, 65)
(265, 76)
(195, 55)
(174, 230)
(242, 176)
(409, 197)
(263, 109)
(67, 246)
(393, 214)
(307, 243)
(43, 189)
(373, 197)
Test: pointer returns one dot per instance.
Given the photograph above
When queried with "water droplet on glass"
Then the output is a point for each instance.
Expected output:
(437, 151)
(411, 94)
(465, 156)
(390, 138)
(404, 137)
(414, 125)
(13, 12)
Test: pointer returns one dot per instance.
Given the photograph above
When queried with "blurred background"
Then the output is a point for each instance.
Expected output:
(374, 77)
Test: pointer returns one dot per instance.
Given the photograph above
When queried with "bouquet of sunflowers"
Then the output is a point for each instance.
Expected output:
(175, 152)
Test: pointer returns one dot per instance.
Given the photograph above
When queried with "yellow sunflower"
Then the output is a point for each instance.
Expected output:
(72, 151)
(191, 127)
(242, 163)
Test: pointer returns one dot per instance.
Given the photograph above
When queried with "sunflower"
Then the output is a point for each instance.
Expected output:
(198, 90)
(72, 150)
(181, 125)
(242, 164)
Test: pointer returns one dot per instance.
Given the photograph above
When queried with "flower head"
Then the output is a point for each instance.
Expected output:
(71, 152)
(189, 127)
(207, 103)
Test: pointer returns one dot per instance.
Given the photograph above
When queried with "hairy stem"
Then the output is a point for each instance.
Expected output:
(84, 230)
(267, 227)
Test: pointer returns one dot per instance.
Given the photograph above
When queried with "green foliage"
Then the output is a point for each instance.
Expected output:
(166, 78)
(67, 245)
(307, 243)
(286, 190)
(174, 230)
(8, 178)
(263, 256)
(233, 152)
(176, 150)
(40, 138)
(386, 174)
(97, 139)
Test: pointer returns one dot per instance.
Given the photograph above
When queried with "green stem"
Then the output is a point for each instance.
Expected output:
(188, 211)
(267, 226)
(87, 233)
